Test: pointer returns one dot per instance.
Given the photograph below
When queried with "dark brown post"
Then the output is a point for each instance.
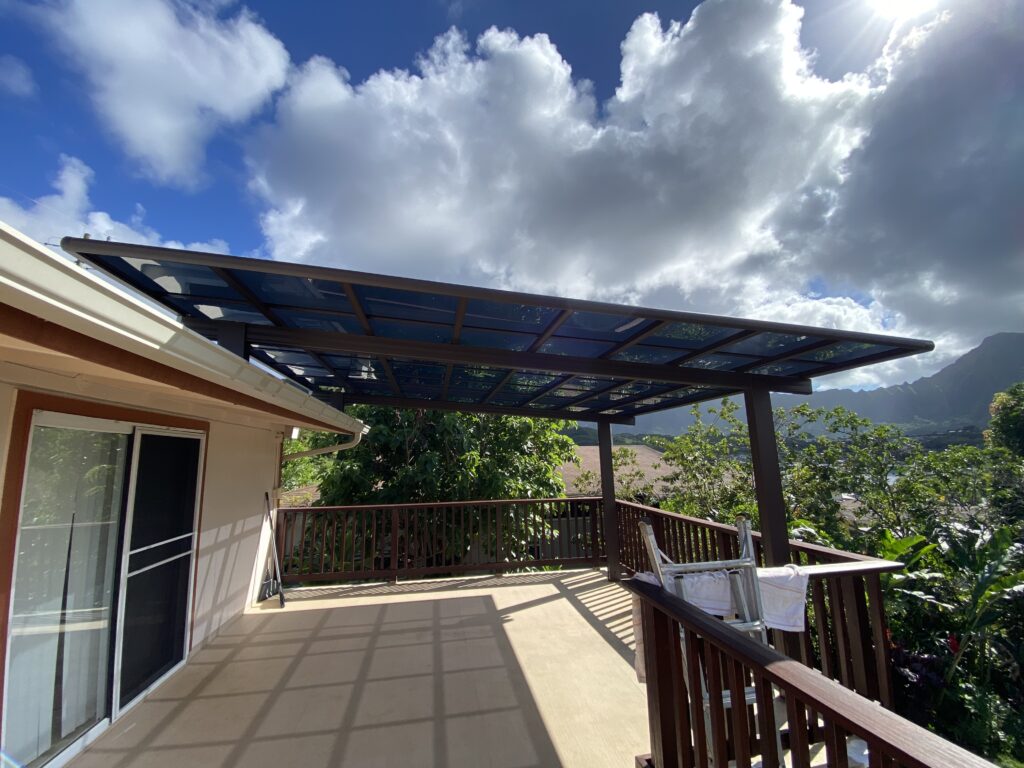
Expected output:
(611, 518)
(661, 641)
(767, 477)
(232, 336)
(393, 576)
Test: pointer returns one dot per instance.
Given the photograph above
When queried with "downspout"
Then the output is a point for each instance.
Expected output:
(327, 449)
(272, 507)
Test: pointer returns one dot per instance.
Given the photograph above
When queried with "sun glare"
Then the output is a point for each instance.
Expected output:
(901, 9)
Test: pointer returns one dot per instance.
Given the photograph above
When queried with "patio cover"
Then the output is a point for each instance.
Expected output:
(354, 337)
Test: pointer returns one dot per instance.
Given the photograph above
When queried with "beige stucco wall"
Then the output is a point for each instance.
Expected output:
(242, 453)
(241, 465)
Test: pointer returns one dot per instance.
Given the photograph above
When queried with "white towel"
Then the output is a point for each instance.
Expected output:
(710, 591)
(783, 597)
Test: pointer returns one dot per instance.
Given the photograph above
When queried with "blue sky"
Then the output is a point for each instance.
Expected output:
(853, 163)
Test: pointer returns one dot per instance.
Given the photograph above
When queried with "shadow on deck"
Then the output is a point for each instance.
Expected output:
(519, 670)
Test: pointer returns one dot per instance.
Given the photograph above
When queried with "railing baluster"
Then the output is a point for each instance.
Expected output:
(835, 746)
(766, 725)
(324, 521)
(499, 545)
(840, 630)
(362, 541)
(716, 708)
(821, 625)
(880, 640)
(285, 522)
(663, 637)
(393, 565)
(798, 747)
(303, 569)
(740, 724)
(698, 715)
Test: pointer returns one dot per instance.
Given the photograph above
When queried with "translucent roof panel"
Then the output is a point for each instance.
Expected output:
(356, 337)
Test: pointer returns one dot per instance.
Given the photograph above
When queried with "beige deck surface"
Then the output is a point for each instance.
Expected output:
(518, 670)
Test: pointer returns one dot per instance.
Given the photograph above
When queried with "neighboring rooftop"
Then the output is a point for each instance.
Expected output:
(354, 337)
(648, 461)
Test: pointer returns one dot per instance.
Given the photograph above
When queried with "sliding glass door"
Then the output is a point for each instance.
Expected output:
(62, 611)
(102, 577)
(158, 568)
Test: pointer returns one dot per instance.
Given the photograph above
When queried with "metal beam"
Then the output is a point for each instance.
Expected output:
(231, 336)
(541, 340)
(653, 328)
(483, 407)
(764, 454)
(786, 355)
(728, 340)
(460, 316)
(357, 307)
(348, 343)
(268, 312)
(611, 515)
(86, 249)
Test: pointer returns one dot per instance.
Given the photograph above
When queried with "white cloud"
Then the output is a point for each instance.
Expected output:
(15, 77)
(723, 176)
(165, 75)
(68, 211)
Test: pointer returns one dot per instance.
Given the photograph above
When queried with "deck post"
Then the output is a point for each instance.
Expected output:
(234, 338)
(764, 454)
(611, 517)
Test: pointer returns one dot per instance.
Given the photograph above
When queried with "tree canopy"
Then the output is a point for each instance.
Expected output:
(1006, 429)
(411, 456)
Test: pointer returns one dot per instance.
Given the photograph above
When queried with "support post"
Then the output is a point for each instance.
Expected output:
(611, 517)
(233, 337)
(764, 454)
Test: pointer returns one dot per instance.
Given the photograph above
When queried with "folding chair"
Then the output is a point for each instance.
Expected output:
(749, 618)
(746, 599)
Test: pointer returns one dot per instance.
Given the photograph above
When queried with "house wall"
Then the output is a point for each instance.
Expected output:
(241, 465)
(7, 393)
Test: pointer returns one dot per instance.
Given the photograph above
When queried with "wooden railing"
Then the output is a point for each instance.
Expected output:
(391, 541)
(796, 709)
(846, 637)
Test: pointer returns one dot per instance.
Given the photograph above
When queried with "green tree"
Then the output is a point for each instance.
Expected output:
(710, 474)
(411, 456)
(1006, 428)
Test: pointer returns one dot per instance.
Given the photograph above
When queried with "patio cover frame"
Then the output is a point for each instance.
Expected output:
(665, 380)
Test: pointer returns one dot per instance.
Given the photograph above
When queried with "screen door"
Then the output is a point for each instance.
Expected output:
(157, 568)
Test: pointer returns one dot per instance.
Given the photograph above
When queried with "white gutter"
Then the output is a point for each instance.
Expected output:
(327, 448)
(38, 282)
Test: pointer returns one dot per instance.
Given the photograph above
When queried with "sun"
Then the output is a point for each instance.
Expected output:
(901, 9)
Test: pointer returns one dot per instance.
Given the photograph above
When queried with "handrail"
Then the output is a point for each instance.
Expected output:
(837, 555)
(424, 504)
(846, 637)
(392, 541)
(883, 731)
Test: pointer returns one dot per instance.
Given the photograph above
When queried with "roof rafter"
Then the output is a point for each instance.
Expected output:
(346, 343)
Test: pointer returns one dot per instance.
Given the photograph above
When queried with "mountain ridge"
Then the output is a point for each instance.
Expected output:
(958, 394)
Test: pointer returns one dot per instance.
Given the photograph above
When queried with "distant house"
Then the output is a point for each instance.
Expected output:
(648, 461)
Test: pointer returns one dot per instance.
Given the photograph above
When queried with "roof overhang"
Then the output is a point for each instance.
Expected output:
(354, 337)
(52, 303)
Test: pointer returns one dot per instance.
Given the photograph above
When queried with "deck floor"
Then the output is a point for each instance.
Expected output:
(518, 670)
